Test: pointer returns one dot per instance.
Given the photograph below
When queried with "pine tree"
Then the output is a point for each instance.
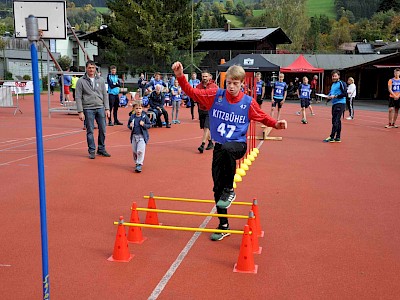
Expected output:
(386, 5)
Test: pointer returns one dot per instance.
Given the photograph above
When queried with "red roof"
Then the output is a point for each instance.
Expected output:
(301, 65)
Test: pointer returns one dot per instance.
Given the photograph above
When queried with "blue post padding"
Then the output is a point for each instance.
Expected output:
(40, 161)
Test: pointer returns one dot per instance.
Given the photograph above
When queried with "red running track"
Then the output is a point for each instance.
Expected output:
(330, 212)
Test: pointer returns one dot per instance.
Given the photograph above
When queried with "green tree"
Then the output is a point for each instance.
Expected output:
(64, 62)
(156, 26)
(229, 6)
(386, 5)
(340, 32)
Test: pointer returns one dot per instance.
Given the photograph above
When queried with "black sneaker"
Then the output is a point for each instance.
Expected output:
(227, 197)
(210, 145)
(201, 148)
(218, 236)
(338, 140)
(92, 155)
(104, 153)
(138, 168)
(118, 123)
(110, 123)
(168, 125)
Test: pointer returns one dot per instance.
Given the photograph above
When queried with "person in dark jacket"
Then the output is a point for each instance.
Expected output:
(139, 123)
(113, 95)
(156, 102)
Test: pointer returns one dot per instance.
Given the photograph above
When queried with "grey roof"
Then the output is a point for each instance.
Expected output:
(235, 34)
(326, 61)
(390, 47)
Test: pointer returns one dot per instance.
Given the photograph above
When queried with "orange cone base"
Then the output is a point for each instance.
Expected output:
(235, 270)
(138, 242)
(258, 251)
(111, 258)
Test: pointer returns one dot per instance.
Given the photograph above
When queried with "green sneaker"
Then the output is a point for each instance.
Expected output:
(218, 236)
(338, 140)
(227, 197)
(329, 140)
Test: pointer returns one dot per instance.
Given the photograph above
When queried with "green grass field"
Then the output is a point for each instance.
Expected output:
(257, 12)
(321, 7)
(101, 10)
(236, 21)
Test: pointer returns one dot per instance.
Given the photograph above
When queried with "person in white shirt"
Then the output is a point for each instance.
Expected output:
(351, 94)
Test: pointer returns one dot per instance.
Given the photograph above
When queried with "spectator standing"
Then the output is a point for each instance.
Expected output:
(394, 95)
(142, 84)
(64, 92)
(52, 85)
(176, 92)
(204, 117)
(193, 82)
(230, 114)
(156, 102)
(351, 94)
(156, 81)
(74, 80)
(338, 95)
(92, 104)
(278, 95)
(113, 95)
(139, 123)
(314, 87)
(260, 89)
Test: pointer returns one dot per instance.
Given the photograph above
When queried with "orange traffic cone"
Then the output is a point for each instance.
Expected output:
(245, 263)
(151, 217)
(135, 233)
(121, 249)
(254, 208)
(254, 237)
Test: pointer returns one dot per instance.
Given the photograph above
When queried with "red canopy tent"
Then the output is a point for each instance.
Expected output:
(301, 65)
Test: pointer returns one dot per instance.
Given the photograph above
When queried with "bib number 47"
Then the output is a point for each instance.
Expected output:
(226, 130)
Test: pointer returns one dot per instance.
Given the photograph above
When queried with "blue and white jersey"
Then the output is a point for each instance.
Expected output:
(229, 122)
(305, 91)
(175, 90)
(259, 85)
(279, 89)
(154, 82)
(194, 82)
(395, 85)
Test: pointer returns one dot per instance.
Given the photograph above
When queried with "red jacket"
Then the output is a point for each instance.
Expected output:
(205, 98)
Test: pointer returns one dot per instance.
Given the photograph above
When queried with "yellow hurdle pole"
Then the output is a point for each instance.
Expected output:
(181, 228)
(191, 213)
(194, 200)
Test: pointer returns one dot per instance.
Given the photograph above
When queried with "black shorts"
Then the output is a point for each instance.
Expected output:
(394, 103)
(277, 102)
(305, 103)
(259, 100)
(204, 119)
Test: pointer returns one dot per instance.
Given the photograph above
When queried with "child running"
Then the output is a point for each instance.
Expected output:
(139, 123)
(230, 113)
(176, 101)
(304, 93)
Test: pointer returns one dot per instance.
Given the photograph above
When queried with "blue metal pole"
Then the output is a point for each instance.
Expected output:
(40, 162)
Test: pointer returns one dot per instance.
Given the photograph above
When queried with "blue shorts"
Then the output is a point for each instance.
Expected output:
(304, 102)
(277, 102)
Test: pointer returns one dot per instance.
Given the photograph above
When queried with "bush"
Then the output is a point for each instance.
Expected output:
(8, 76)
(26, 77)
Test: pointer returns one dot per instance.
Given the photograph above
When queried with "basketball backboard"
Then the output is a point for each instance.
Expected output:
(52, 18)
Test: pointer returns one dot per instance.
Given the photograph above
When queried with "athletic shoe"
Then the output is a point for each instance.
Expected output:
(349, 118)
(201, 148)
(298, 113)
(118, 123)
(217, 236)
(173, 122)
(313, 114)
(163, 123)
(210, 145)
(138, 168)
(304, 121)
(168, 125)
(177, 122)
(329, 140)
(92, 155)
(389, 126)
(227, 197)
(338, 140)
(104, 153)
(395, 126)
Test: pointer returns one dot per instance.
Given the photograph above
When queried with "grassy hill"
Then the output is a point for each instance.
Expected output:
(321, 7)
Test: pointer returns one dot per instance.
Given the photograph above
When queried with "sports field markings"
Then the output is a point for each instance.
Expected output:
(20, 140)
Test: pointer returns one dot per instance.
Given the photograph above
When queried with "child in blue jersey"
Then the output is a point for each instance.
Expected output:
(176, 101)
(193, 82)
(230, 112)
(304, 93)
(139, 123)
(260, 86)
(278, 94)
(337, 94)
